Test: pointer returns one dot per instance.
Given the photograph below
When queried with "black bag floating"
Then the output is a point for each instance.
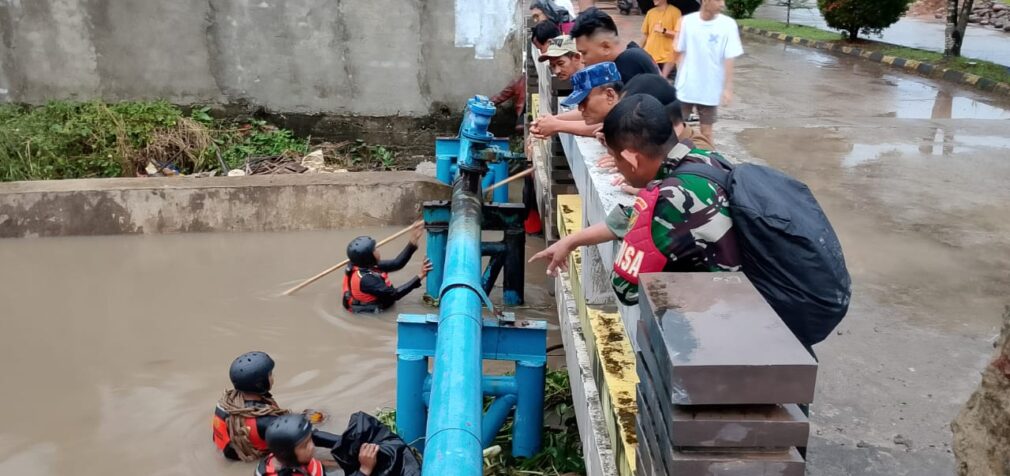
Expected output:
(395, 457)
(789, 250)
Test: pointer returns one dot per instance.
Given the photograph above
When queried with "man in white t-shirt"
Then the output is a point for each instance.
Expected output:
(708, 43)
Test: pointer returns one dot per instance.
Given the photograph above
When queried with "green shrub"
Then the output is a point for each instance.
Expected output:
(77, 140)
(64, 140)
(862, 16)
(742, 8)
(258, 139)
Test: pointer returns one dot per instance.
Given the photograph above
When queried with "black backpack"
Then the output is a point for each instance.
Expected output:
(788, 249)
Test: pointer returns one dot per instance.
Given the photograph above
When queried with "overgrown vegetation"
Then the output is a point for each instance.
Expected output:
(562, 448)
(92, 139)
(978, 67)
(862, 16)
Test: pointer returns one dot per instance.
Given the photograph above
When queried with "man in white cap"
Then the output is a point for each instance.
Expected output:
(564, 57)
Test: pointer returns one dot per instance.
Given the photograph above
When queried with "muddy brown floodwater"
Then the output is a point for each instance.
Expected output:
(114, 350)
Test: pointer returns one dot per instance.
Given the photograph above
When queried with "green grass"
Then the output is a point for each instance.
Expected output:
(977, 67)
(798, 31)
(981, 68)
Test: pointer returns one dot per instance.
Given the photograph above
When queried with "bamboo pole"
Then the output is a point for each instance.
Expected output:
(396, 235)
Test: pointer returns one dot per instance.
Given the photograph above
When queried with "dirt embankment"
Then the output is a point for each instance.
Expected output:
(982, 430)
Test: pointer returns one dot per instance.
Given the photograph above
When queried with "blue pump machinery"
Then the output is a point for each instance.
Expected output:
(442, 412)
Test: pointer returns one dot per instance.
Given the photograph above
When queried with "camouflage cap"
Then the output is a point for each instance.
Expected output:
(558, 47)
(588, 78)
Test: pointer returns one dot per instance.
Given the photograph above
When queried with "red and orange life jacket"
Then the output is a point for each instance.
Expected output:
(352, 286)
(270, 465)
(222, 437)
(638, 253)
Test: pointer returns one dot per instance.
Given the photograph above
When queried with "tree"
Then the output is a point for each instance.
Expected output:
(742, 8)
(862, 16)
(958, 12)
(794, 5)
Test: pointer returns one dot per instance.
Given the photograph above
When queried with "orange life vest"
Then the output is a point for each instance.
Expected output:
(222, 437)
(269, 466)
(352, 286)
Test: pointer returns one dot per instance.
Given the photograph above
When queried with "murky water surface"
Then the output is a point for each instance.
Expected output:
(114, 350)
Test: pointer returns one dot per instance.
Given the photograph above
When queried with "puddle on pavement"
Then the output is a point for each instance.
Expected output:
(821, 60)
(917, 229)
(917, 100)
(114, 350)
(943, 143)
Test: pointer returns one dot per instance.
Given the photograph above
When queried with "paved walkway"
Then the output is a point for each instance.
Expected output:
(913, 174)
(981, 43)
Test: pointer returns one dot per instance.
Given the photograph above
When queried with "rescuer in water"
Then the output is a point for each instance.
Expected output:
(244, 413)
(367, 287)
(290, 440)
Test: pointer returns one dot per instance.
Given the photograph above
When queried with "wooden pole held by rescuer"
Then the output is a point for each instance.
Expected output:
(393, 237)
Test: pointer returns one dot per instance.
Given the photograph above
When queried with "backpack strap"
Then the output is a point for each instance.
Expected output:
(715, 174)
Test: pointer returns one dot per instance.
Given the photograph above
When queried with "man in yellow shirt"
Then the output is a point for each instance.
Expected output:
(659, 31)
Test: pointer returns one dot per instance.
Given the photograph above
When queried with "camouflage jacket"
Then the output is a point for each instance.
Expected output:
(691, 239)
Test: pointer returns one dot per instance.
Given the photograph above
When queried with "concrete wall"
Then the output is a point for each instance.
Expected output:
(360, 57)
(171, 205)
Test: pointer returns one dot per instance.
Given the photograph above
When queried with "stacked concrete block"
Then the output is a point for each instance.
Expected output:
(721, 379)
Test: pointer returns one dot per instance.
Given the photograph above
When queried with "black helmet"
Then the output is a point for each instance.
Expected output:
(284, 434)
(250, 372)
(361, 252)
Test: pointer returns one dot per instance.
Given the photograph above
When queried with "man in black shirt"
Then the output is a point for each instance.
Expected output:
(596, 37)
(367, 287)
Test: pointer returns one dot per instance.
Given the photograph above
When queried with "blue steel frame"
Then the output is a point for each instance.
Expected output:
(442, 413)
(507, 254)
(523, 342)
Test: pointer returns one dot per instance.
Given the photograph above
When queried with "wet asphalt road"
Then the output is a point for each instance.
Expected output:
(914, 175)
(923, 33)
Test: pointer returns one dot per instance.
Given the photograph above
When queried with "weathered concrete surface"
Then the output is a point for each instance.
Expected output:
(599, 454)
(375, 58)
(718, 342)
(170, 205)
(913, 174)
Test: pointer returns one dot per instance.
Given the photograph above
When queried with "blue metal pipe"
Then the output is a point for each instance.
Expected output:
(495, 417)
(500, 171)
(528, 425)
(490, 248)
(434, 220)
(453, 443)
(411, 408)
(491, 386)
(498, 385)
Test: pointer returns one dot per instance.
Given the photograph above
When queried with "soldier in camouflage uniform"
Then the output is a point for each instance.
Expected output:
(679, 222)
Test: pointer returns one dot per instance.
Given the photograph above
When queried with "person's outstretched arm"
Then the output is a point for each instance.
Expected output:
(386, 294)
(557, 254)
(325, 439)
(396, 264)
(401, 260)
(548, 126)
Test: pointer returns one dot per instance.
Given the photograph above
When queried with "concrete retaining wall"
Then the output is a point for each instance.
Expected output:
(171, 205)
(347, 57)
